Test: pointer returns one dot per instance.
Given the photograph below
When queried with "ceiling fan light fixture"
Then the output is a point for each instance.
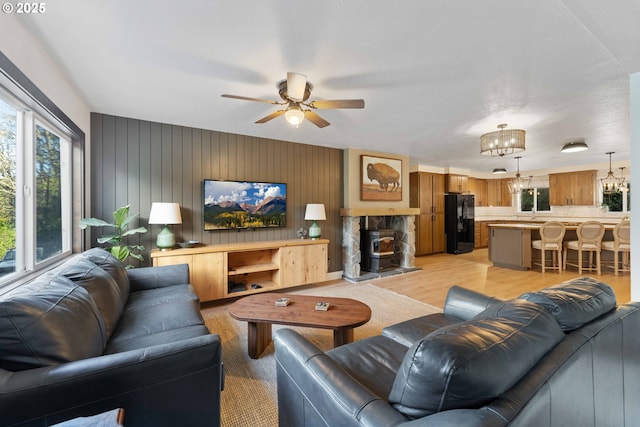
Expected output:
(294, 114)
(574, 147)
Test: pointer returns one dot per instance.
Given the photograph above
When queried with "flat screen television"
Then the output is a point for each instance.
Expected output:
(230, 205)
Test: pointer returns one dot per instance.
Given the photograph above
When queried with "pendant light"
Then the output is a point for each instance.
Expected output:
(611, 183)
(502, 142)
(518, 184)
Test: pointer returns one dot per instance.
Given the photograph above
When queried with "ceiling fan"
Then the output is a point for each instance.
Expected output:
(295, 92)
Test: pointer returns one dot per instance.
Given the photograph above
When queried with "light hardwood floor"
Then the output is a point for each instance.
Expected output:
(473, 271)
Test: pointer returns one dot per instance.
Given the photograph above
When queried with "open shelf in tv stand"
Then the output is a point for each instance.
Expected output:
(224, 271)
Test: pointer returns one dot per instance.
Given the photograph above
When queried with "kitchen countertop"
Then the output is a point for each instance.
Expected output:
(565, 220)
(533, 226)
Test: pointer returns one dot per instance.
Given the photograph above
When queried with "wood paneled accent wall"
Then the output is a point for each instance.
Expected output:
(138, 162)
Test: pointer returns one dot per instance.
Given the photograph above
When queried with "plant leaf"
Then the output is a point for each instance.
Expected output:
(111, 238)
(120, 215)
(128, 220)
(134, 231)
(120, 252)
(136, 256)
(94, 222)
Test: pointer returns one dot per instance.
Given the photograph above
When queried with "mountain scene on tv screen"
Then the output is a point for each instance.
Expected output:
(235, 205)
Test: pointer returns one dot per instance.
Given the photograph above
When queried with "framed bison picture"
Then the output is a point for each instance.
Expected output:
(380, 179)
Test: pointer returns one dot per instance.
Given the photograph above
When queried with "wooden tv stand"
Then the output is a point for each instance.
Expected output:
(223, 271)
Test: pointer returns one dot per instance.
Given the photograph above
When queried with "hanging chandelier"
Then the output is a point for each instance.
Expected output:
(502, 142)
(518, 184)
(611, 183)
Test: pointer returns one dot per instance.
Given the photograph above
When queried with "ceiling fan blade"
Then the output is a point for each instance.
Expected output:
(246, 98)
(338, 103)
(271, 116)
(296, 84)
(315, 119)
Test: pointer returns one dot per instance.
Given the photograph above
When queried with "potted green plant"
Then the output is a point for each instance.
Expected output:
(113, 242)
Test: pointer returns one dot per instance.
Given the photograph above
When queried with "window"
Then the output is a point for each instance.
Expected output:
(618, 201)
(35, 190)
(534, 200)
(8, 185)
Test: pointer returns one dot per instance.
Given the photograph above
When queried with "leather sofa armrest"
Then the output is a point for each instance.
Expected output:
(464, 303)
(158, 277)
(158, 385)
(458, 417)
(312, 387)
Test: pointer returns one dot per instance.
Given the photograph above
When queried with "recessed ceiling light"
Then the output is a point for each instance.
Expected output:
(498, 171)
(574, 147)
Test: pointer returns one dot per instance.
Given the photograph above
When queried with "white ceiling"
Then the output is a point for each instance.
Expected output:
(434, 74)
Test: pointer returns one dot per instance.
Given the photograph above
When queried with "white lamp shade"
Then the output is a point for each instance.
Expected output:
(315, 212)
(165, 213)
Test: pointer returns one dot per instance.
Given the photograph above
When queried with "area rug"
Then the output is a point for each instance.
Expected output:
(249, 397)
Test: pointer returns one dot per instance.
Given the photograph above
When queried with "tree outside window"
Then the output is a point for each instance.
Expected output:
(534, 199)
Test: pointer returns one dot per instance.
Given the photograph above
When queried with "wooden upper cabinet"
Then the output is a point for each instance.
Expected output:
(498, 192)
(478, 187)
(457, 183)
(572, 188)
(426, 192)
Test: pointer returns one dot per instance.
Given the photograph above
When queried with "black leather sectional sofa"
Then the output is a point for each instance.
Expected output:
(91, 336)
(567, 355)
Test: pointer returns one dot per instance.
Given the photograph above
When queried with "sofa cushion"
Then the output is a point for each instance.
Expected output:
(47, 322)
(374, 361)
(101, 286)
(163, 337)
(470, 363)
(140, 320)
(575, 302)
(412, 330)
(113, 266)
(167, 294)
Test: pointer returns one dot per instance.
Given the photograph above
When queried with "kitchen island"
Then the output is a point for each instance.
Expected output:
(510, 243)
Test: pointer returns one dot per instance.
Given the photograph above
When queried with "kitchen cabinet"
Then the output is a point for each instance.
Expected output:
(572, 188)
(498, 192)
(426, 192)
(457, 183)
(478, 187)
(481, 237)
(510, 246)
(223, 271)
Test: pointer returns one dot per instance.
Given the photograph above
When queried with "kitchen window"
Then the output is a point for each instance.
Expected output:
(618, 201)
(534, 199)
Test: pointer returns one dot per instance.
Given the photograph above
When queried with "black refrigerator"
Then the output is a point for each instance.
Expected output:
(458, 223)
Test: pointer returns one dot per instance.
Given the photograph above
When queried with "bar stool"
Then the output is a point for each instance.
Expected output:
(551, 235)
(589, 240)
(621, 243)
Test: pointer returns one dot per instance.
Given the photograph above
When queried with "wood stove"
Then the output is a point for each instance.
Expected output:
(377, 250)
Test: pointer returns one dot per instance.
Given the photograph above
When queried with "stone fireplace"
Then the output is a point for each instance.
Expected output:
(401, 221)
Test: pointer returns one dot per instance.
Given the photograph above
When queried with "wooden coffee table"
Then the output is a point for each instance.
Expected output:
(260, 312)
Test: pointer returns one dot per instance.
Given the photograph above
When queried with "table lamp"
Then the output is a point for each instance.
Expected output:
(165, 214)
(315, 212)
